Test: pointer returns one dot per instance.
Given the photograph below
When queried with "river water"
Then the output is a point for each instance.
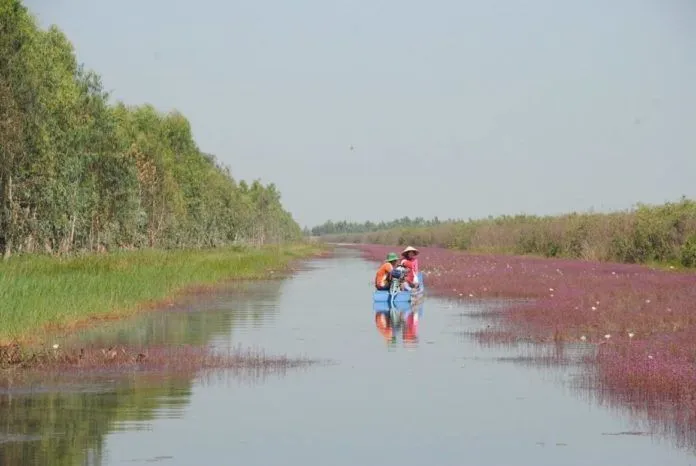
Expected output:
(428, 396)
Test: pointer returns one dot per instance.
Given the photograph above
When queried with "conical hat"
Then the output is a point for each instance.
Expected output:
(409, 248)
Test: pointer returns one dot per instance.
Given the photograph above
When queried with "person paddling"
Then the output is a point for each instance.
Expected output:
(410, 262)
(383, 276)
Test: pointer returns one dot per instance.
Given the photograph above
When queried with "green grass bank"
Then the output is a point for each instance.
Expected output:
(41, 294)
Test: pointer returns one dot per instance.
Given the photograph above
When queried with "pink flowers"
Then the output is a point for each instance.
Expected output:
(643, 320)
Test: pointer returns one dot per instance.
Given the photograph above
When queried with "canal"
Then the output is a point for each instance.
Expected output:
(423, 394)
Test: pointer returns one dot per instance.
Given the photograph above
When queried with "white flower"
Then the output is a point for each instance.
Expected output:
(55, 346)
(583, 338)
(594, 308)
(631, 335)
(607, 336)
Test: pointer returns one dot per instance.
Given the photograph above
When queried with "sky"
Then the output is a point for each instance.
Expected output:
(374, 110)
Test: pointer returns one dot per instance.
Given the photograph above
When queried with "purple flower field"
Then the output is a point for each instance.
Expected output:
(642, 321)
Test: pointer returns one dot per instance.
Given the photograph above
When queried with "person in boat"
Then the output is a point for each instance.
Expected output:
(383, 277)
(410, 262)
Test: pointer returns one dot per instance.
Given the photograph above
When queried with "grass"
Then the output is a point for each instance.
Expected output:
(40, 293)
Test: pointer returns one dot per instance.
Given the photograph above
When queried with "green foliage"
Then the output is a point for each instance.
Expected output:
(84, 417)
(687, 255)
(78, 174)
(37, 290)
(646, 234)
(344, 227)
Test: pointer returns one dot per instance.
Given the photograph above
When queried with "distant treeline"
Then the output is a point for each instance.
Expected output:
(344, 227)
(77, 173)
(645, 234)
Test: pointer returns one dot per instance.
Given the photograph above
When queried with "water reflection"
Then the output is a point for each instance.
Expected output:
(486, 405)
(64, 419)
(67, 427)
(196, 319)
(647, 413)
(398, 320)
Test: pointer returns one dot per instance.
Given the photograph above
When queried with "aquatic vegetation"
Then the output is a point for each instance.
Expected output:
(661, 367)
(43, 293)
(641, 321)
(657, 392)
(168, 359)
(565, 299)
(60, 415)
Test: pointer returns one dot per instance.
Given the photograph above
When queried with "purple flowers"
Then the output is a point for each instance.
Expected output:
(643, 320)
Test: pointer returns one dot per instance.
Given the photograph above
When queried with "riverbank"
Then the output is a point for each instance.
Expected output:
(642, 320)
(43, 294)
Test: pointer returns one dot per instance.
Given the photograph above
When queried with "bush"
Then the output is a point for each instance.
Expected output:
(688, 252)
(645, 234)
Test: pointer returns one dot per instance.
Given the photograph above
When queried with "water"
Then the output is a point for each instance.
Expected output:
(441, 399)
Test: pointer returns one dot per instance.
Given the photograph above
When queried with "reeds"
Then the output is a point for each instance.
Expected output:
(664, 234)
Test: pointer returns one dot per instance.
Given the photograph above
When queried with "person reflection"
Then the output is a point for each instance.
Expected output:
(403, 322)
(410, 332)
(384, 326)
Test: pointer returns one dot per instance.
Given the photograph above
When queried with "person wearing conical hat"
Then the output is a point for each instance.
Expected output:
(383, 276)
(410, 262)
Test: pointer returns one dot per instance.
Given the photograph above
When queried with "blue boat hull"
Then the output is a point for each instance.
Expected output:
(401, 296)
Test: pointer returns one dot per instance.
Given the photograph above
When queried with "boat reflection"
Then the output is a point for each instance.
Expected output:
(398, 320)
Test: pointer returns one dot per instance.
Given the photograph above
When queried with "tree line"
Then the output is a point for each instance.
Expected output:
(79, 173)
(344, 227)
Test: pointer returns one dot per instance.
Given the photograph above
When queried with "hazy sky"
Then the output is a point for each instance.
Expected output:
(455, 108)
